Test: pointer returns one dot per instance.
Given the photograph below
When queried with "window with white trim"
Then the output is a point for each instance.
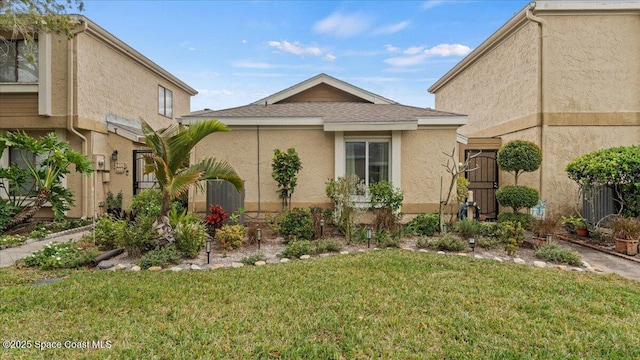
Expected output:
(18, 62)
(165, 101)
(20, 158)
(370, 160)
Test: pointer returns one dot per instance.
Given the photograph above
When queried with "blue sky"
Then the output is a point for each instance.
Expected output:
(237, 52)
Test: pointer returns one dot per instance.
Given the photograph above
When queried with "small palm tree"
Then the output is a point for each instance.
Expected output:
(169, 161)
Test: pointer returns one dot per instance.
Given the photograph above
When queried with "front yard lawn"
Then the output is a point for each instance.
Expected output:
(383, 304)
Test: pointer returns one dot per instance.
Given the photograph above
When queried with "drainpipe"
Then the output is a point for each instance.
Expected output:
(70, 112)
(541, 81)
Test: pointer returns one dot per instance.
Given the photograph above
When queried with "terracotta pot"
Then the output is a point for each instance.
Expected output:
(582, 232)
(629, 247)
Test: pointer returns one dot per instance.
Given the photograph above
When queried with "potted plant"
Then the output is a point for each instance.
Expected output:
(577, 224)
(626, 232)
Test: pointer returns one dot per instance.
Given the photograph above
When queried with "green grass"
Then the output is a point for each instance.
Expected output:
(384, 304)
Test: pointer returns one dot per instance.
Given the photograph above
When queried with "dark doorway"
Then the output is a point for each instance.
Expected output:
(484, 181)
(140, 180)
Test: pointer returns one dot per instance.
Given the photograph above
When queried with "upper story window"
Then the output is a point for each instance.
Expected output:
(369, 159)
(165, 101)
(18, 62)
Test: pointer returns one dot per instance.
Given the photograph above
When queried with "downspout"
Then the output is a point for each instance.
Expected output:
(541, 81)
(70, 112)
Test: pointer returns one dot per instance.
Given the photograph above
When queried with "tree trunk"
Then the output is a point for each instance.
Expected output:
(28, 212)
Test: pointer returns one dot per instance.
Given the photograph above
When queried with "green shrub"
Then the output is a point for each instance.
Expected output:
(40, 232)
(488, 229)
(230, 236)
(190, 238)
(297, 248)
(424, 224)
(525, 220)
(147, 203)
(559, 255)
(519, 156)
(140, 236)
(385, 203)
(296, 224)
(510, 230)
(327, 245)
(386, 239)
(7, 241)
(467, 228)
(57, 255)
(252, 259)
(423, 243)
(109, 232)
(488, 243)
(448, 242)
(517, 197)
(160, 257)
(67, 224)
(285, 166)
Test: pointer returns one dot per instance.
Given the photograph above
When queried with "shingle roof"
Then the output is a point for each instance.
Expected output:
(330, 112)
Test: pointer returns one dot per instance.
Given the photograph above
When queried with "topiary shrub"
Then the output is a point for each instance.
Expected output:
(424, 224)
(519, 156)
(517, 197)
(525, 220)
(297, 248)
(296, 224)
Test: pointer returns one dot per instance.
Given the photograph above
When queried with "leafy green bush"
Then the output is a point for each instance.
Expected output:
(40, 232)
(423, 243)
(296, 224)
(448, 242)
(526, 220)
(160, 257)
(559, 255)
(147, 203)
(519, 156)
(109, 232)
(385, 203)
(7, 210)
(57, 255)
(190, 237)
(285, 166)
(424, 224)
(488, 229)
(252, 259)
(517, 197)
(327, 245)
(11, 241)
(230, 236)
(386, 239)
(67, 224)
(297, 248)
(341, 192)
(510, 230)
(467, 228)
(488, 243)
(140, 236)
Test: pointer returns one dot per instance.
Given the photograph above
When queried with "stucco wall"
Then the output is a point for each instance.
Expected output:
(239, 147)
(111, 83)
(593, 63)
(499, 87)
(422, 159)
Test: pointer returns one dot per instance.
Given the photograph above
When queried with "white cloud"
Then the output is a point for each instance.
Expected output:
(392, 49)
(449, 50)
(416, 54)
(251, 64)
(329, 57)
(343, 25)
(295, 48)
(413, 50)
(244, 41)
(392, 29)
(378, 79)
(431, 4)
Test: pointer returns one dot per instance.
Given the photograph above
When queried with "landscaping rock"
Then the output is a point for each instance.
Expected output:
(423, 250)
(176, 269)
(135, 268)
(406, 249)
(284, 260)
(325, 255)
(539, 264)
(305, 257)
(155, 268)
(344, 252)
(236, 265)
(586, 264)
(519, 261)
(497, 259)
(440, 252)
(461, 254)
(576, 269)
(105, 264)
(217, 266)
(195, 267)
(260, 263)
(561, 267)
(597, 269)
(362, 250)
(478, 256)
(120, 267)
(273, 261)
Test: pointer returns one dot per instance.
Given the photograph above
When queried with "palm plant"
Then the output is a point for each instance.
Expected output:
(169, 161)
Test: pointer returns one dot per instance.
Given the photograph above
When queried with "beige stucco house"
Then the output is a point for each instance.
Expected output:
(91, 91)
(563, 74)
(337, 129)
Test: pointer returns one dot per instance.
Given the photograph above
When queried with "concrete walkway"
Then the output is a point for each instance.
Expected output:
(8, 257)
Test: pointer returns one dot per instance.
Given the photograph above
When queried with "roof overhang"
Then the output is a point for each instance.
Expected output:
(371, 126)
(265, 121)
(125, 133)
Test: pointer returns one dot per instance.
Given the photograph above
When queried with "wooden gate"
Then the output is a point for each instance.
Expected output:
(140, 180)
(484, 181)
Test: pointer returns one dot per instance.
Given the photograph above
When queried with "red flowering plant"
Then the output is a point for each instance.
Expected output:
(216, 217)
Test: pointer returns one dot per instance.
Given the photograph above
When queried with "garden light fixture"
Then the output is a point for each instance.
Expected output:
(472, 243)
(259, 236)
(368, 236)
(322, 228)
(207, 246)
(114, 155)
(549, 237)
